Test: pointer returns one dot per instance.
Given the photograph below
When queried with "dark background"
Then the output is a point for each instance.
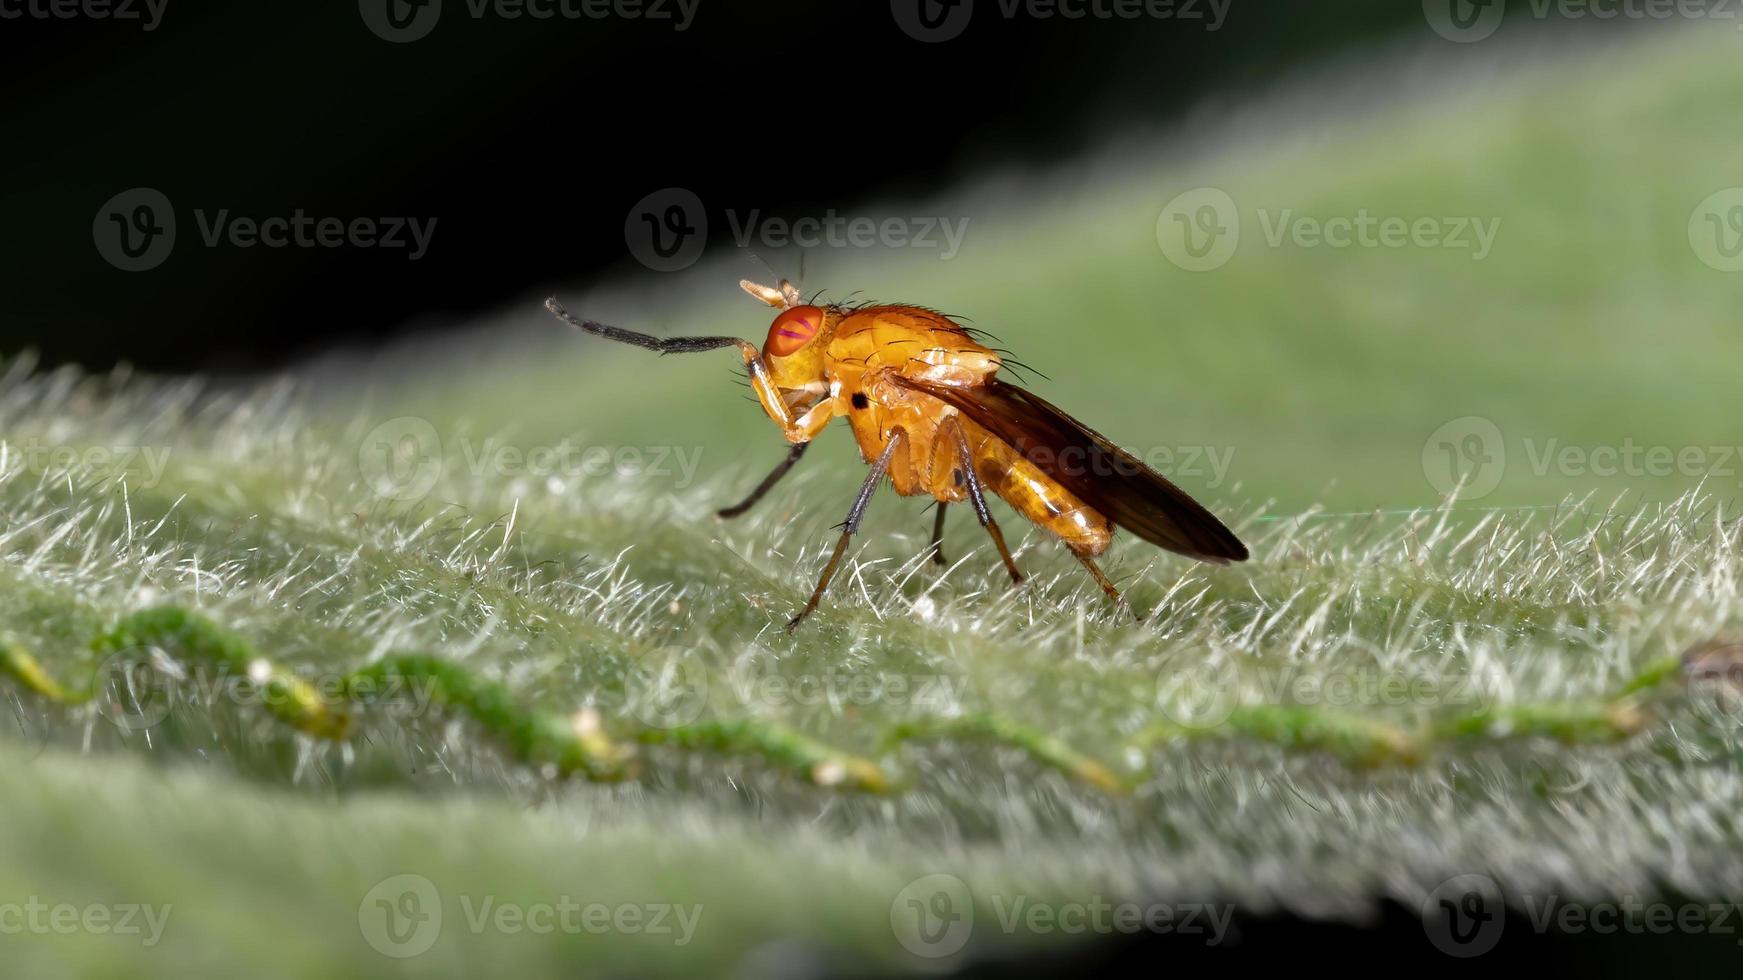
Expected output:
(529, 141)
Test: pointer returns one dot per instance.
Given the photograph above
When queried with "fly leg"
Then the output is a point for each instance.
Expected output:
(797, 430)
(965, 463)
(938, 535)
(850, 527)
(1102, 580)
(674, 345)
(768, 483)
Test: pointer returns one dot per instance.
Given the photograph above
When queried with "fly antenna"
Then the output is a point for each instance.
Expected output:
(784, 294)
(762, 262)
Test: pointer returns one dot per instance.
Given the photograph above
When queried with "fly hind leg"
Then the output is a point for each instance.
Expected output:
(977, 499)
(850, 527)
(1107, 586)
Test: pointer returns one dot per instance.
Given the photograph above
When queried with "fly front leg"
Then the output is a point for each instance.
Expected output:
(977, 498)
(670, 345)
(938, 535)
(797, 430)
(768, 483)
(850, 527)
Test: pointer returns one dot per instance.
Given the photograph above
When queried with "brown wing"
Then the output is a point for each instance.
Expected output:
(1100, 473)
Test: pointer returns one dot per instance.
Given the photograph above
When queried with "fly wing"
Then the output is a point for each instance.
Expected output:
(1100, 473)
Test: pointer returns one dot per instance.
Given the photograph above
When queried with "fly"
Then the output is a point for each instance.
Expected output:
(929, 412)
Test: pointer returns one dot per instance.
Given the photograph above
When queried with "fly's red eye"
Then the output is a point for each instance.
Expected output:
(793, 330)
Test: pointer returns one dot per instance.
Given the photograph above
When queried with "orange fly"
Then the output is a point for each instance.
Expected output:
(929, 411)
